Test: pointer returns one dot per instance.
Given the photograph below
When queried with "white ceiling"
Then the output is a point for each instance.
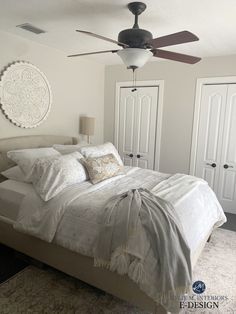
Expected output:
(213, 21)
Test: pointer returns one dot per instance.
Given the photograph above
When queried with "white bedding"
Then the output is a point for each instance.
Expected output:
(73, 218)
(11, 195)
(74, 215)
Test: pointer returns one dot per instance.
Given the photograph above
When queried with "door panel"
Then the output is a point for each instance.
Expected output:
(208, 174)
(227, 180)
(126, 127)
(142, 163)
(128, 131)
(144, 124)
(230, 136)
(137, 126)
(228, 186)
(213, 122)
(127, 161)
(210, 133)
(146, 115)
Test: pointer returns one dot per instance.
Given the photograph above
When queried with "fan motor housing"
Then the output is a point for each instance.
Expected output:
(135, 37)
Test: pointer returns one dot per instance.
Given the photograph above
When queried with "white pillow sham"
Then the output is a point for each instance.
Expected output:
(101, 150)
(68, 149)
(16, 174)
(51, 175)
(25, 158)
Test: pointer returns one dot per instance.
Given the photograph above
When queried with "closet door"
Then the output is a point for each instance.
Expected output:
(227, 178)
(127, 114)
(210, 133)
(137, 126)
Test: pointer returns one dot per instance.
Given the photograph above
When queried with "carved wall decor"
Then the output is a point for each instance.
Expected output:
(25, 94)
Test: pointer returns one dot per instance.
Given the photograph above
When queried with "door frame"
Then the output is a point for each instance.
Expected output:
(197, 106)
(160, 101)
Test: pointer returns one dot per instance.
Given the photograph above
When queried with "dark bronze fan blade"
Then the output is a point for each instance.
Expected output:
(175, 56)
(173, 39)
(92, 53)
(102, 37)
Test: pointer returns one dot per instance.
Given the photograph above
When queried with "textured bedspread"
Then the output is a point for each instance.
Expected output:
(74, 218)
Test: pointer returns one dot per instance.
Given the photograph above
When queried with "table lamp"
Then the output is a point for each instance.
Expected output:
(87, 126)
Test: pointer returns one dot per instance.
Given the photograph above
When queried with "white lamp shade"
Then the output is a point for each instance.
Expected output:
(87, 125)
(134, 57)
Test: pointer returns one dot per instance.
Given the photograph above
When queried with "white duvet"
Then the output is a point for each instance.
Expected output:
(73, 218)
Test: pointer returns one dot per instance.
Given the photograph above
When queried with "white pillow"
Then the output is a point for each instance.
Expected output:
(51, 175)
(25, 158)
(16, 174)
(101, 150)
(68, 149)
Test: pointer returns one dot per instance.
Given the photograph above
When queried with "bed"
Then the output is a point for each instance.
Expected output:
(70, 262)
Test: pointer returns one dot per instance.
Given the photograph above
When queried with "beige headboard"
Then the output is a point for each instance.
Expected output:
(34, 141)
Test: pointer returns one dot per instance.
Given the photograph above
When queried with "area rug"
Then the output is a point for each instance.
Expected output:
(49, 291)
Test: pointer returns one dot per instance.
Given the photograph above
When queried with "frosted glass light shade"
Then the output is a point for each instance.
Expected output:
(87, 125)
(134, 57)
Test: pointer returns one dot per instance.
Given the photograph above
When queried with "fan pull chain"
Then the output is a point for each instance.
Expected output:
(134, 80)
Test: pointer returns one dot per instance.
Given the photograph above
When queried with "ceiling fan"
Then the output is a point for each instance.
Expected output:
(139, 45)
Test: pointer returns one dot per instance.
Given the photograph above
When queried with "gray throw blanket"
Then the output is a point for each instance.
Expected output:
(154, 229)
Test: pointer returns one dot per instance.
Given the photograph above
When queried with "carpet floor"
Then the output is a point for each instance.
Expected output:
(47, 291)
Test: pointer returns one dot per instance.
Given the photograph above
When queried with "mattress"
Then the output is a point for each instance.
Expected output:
(11, 194)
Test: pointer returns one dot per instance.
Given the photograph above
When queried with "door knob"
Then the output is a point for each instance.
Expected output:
(130, 155)
(227, 166)
(213, 165)
(139, 156)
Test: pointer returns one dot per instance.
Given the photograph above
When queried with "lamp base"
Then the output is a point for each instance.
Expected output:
(88, 139)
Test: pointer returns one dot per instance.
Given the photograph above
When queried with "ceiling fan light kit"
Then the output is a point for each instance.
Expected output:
(134, 58)
(138, 45)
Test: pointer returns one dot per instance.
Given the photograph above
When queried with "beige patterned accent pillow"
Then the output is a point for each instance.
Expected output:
(102, 168)
(101, 150)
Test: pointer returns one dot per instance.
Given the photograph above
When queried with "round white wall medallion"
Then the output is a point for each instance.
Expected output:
(25, 94)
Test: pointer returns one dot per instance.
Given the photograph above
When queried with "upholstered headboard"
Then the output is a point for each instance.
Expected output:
(34, 141)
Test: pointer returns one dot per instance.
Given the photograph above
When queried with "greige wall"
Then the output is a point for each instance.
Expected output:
(179, 96)
(77, 88)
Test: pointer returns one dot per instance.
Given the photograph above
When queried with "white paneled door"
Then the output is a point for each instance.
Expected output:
(137, 126)
(216, 146)
(227, 179)
(210, 133)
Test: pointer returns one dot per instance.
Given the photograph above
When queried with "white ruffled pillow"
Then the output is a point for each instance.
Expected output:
(25, 158)
(101, 150)
(16, 174)
(51, 175)
(68, 149)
